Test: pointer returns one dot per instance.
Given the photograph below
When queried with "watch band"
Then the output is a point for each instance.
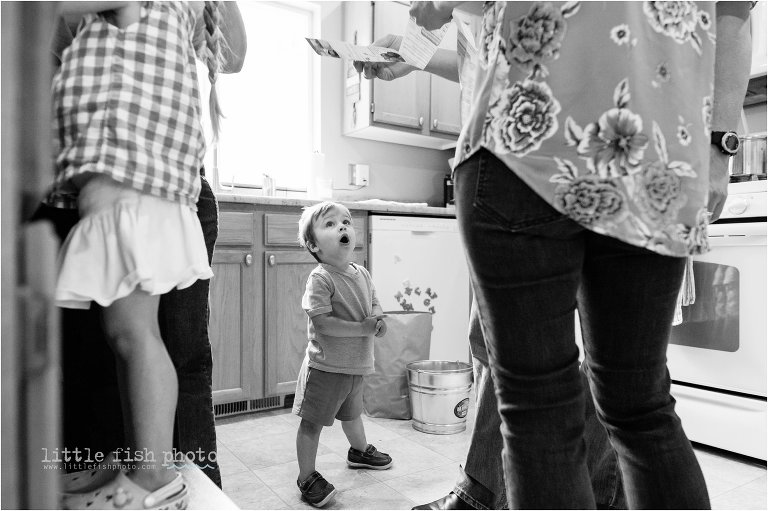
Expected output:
(726, 141)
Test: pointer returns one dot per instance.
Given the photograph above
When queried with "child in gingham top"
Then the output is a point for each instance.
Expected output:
(128, 113)
(131, 145)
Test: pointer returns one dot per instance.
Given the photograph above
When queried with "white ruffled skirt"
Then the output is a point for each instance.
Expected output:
(127, 240)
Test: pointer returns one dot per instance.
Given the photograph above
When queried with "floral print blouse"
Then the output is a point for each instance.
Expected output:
(602, 108)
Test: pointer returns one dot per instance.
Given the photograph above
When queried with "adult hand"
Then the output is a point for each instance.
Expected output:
(432, 15)
(386, 71)
(718, 182)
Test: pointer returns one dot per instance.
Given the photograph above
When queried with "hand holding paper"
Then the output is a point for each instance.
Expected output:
(384, 70)
(416, 49)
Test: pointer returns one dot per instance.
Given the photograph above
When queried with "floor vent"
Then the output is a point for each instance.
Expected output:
(247, 406)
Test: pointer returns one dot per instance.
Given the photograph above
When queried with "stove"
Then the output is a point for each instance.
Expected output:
(717, 355)
(746, 199)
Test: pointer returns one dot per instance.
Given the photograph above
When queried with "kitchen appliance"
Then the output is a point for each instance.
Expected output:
(418, 263)
(448, 191)
(750, 162)
(717, 355)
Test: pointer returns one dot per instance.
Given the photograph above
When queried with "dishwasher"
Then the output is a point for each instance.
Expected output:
(418, 264)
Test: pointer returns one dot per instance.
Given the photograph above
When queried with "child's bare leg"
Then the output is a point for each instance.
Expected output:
(307, 438)
(148, 384)
(355, 433)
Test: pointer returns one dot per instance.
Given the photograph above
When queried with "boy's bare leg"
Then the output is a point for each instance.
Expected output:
(307, 438)
(355, 433)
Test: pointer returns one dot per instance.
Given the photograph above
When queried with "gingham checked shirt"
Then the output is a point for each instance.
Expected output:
(126, 104)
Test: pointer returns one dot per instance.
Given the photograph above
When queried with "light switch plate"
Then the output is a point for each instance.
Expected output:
(359, 174)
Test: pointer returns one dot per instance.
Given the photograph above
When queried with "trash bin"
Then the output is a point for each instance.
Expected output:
(439, 391)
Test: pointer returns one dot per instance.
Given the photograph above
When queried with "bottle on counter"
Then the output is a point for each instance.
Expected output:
(447, 191)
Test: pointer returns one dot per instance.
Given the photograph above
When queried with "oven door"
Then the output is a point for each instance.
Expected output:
(721, 343)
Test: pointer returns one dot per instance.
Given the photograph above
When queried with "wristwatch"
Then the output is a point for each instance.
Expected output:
(726, 141)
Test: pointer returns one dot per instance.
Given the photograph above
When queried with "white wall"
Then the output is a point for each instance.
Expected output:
(397, 172)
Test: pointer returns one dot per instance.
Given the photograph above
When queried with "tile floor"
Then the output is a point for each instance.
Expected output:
(257, 455)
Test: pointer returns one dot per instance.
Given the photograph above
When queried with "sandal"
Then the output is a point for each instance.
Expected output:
(122, 493)
(87, 480)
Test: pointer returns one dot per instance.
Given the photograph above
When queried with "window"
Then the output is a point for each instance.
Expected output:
(271, 107)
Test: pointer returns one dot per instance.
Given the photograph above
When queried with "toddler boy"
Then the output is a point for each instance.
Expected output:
(344, 315)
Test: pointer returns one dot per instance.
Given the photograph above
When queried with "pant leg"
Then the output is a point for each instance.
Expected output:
(183, 317)
(481, 482)
(602, 462)
(626, 330)
(525, 262)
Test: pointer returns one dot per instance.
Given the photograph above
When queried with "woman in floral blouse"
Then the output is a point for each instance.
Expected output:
(583, 180)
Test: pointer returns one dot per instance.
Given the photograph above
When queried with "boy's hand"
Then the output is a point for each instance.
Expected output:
(370, 325)
(381, 326)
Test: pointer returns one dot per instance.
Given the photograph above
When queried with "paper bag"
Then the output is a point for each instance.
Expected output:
(385, 392)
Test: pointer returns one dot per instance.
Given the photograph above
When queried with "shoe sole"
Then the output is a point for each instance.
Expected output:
(324, 501)
(365, 465)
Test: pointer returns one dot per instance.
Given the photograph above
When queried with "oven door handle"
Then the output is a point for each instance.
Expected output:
(737, 230)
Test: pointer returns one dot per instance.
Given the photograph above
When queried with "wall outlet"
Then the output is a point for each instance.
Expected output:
(358, 174)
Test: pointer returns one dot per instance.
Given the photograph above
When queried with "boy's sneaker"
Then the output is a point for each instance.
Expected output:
(370, 458)
(316, 490)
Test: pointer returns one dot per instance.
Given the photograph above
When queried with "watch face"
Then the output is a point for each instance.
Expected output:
(731, 142)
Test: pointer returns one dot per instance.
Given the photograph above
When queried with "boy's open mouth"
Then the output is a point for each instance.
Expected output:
(344, 239)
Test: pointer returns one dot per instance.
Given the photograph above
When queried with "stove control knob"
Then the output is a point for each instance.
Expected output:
(738, 206)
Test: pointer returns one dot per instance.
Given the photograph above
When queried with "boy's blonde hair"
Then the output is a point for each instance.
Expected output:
(307, 220)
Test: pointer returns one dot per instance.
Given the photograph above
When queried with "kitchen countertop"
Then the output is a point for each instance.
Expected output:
(377, 207)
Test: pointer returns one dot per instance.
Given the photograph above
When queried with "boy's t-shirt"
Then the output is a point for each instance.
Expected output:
(347, 295)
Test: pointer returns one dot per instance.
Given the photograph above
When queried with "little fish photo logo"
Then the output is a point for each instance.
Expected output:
(77, 459)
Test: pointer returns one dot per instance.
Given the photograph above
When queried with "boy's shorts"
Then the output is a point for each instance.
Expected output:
(322, 396)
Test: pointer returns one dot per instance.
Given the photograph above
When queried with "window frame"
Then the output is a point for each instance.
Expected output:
(313, 9)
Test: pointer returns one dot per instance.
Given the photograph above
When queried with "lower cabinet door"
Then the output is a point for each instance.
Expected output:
(285, 279)
(232, 327)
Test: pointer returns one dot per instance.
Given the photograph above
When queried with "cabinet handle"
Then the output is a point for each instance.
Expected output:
(421, 121)
(434, 123)
(271, 260)
(248, 259)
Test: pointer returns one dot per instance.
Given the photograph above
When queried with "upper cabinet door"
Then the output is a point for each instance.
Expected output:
(445, 95)
(401, 102)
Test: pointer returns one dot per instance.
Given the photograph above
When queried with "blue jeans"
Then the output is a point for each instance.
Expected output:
(481, 482)
(92, 417)
(531, 267)
(183, 315)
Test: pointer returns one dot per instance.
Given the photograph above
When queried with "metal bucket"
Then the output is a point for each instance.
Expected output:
(439, 391)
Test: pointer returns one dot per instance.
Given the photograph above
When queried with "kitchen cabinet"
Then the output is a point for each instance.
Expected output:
(257, 327)
(286, 268)
(233, 326)
(418, 109)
